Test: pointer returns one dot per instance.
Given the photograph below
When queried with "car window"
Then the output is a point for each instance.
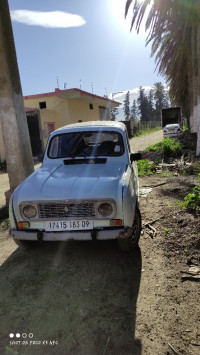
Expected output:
(172, 126)
(78, 144)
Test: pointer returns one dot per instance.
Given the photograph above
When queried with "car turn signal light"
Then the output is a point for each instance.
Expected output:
(22, 225)
(116, 222)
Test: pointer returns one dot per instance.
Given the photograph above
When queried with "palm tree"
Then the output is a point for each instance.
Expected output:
(171, 26)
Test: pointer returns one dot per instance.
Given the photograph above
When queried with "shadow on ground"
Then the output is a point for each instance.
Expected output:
(81, 295)
(3, 212)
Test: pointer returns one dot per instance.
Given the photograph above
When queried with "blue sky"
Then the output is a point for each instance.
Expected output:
(79, 43)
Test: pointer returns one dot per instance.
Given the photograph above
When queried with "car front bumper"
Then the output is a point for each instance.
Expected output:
(105, 234)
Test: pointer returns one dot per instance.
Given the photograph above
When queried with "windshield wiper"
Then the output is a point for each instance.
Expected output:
(85, 161)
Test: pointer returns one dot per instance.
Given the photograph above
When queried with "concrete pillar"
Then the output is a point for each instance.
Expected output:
(198, 143)
(198, 93)
(12, 114)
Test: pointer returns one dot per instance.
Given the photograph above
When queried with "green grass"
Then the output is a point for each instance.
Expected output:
(166, 174)
(145, 167)
(179, 204)
(145, 131)
(185, 127)
(166, 230)
(192, 200)
(168, 147)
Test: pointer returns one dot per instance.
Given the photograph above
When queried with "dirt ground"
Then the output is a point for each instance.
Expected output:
(142, 142)
(90, 298)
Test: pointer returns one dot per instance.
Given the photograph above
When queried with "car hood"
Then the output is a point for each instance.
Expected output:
(89, 181)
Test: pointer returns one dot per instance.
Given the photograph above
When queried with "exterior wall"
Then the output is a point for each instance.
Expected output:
(198, 93)
(104, 113)
(194, 88)
(56, 112)
(80, 110)
(63, 111)
(195, 92)
(195, 124)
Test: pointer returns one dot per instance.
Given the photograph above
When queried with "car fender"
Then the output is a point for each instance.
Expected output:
(129, 197)
(13, 222)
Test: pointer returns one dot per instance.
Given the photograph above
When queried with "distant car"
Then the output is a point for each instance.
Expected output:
(172, 130)
(86, 189)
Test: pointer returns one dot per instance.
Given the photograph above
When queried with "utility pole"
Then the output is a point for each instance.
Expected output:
(12, 114)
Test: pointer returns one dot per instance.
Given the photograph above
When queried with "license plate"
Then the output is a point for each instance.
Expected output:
(68, 225)
(171, 130)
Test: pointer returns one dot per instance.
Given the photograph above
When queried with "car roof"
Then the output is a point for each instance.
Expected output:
(172, 125)
(90, 126)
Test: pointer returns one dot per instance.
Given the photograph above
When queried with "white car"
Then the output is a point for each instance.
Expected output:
(86, 189)
(172, 130)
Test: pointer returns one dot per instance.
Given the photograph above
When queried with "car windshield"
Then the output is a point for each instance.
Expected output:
(82, 144)
(172, 126)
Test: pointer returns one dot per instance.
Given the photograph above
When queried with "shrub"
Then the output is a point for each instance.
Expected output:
(157, 147)
(145, 167)
(192, 200)
(168, 147)
(171, 147)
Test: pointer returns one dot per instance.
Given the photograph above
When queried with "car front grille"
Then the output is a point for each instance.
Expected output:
(60, 210)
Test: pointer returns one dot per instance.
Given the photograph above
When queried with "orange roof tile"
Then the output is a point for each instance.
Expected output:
(57, 92)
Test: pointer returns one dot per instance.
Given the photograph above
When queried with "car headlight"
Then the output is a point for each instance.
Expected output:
(29, 211)
(105, 209)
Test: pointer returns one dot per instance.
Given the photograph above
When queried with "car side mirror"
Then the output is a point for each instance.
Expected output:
(135, 157)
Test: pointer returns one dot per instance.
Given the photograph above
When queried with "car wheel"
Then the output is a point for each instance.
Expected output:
(26, 244)
(132, 241)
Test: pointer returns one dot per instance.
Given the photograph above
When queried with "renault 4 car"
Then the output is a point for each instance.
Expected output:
(86, 189)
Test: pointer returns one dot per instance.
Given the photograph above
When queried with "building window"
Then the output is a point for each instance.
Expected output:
(91, 107)
(43, 104)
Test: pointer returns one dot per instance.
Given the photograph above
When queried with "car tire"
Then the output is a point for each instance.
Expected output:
(26, 244)
(131, 242)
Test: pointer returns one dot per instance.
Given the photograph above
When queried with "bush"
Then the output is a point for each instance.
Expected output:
(171, 147)
(145, 167)
(168, 147)
(192, 200)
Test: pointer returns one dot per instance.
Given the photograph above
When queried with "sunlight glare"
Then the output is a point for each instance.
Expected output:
(118, 11)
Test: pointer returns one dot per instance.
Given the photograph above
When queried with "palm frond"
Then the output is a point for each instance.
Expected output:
(128, 4)
(172, 31)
